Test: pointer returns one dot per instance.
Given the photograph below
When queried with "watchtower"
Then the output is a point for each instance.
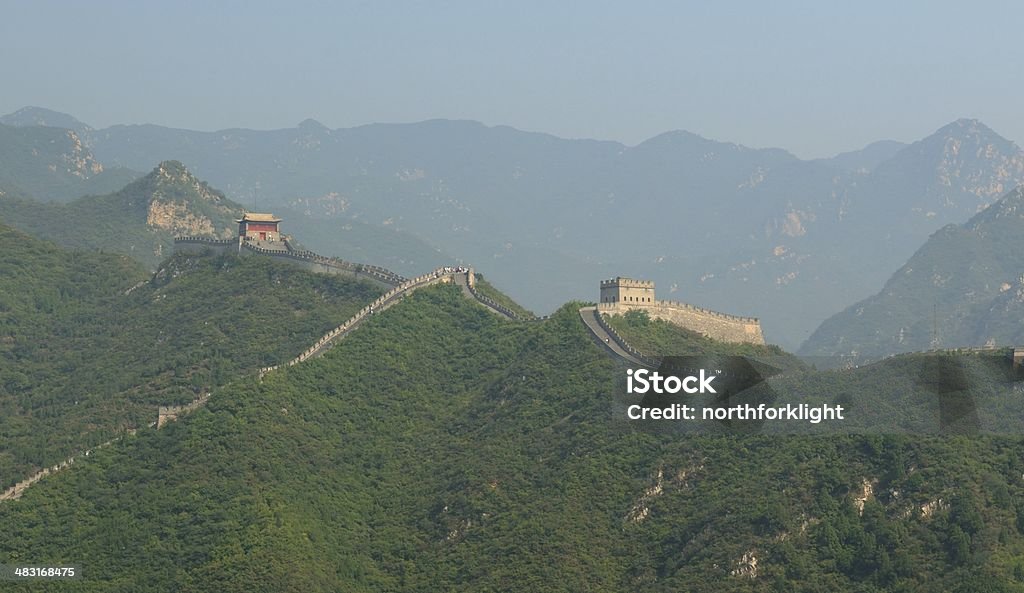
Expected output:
(627, 291)
(254, 226)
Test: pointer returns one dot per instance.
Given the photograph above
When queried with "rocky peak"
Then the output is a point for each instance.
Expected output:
(964, 158)
(79, 160)
(38, 116)
(173, 171)
(174, 179)
(175, 200)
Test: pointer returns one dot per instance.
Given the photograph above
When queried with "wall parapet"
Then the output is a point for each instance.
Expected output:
(383, 274)
(502, 309)
(676, 305)
(205, 240)
(647, 360)
(715, 325)
(165, 414)
(379, 304)
(378, 273)
(386, 300)
(627, 282)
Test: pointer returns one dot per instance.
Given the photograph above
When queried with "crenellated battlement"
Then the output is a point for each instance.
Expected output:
(684, 307)
(627, 283)
(620, 295)
(306, 259)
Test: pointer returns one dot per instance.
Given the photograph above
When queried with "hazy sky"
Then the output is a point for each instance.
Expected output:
(815, 78)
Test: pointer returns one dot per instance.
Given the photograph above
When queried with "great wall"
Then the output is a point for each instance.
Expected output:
(15, 492)
(165, 414)
(621, 295)
(618, 296)
(305, 259)
(399, 287)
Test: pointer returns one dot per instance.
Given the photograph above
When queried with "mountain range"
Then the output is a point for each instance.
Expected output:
(964, 287)
(438, 436)
(745, 231)
(52, 163)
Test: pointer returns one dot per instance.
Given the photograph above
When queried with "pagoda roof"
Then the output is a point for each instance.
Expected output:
(258, 217)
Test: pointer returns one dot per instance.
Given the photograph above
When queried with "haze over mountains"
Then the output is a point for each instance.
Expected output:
(140, 220)
(964, 287)
(745, 231)
(440, 436)
(53, 164)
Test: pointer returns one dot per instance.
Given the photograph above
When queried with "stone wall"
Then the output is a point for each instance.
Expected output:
(205, 244)
(383, 302)
(717, 326)
(470, 280)
(304, 259)
(165, 414)
(650, 361)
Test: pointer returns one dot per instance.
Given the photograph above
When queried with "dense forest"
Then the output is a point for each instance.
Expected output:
(139, 220)
(82, 361)
(440, 447)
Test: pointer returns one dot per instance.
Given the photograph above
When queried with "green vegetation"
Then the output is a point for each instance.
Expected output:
(141, 220)
(81, 361)
(962, 288)
(488, 290)
(442, 448)
(657, 337)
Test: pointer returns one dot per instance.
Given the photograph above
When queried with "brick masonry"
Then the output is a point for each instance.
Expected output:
(621, 295)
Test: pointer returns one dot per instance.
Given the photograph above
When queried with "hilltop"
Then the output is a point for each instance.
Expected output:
(756, 231)
(963, 287)
(440, 436)
(787, 241)
(90, 348)
(39, 116)
(53, 164)
(140, 220)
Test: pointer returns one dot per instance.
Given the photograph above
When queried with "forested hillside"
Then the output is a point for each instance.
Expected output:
(440, 447)
(963, 287)
(140, 220)
(81, 360)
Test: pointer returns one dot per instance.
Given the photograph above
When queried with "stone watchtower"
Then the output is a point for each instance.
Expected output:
(627, 290)
(620, 295)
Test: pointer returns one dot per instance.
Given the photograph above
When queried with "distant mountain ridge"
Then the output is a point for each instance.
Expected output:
(963, 288)
(755, 231)
(140, 220)
(866, 158)
(39, 116)
(53, 164)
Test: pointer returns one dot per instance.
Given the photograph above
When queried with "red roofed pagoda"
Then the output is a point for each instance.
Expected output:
(259, 227)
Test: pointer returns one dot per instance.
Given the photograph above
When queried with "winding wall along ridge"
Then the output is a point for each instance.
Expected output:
(170, 413)
(309, 258)
(640, 357)
(380, 304)
(15, 492)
